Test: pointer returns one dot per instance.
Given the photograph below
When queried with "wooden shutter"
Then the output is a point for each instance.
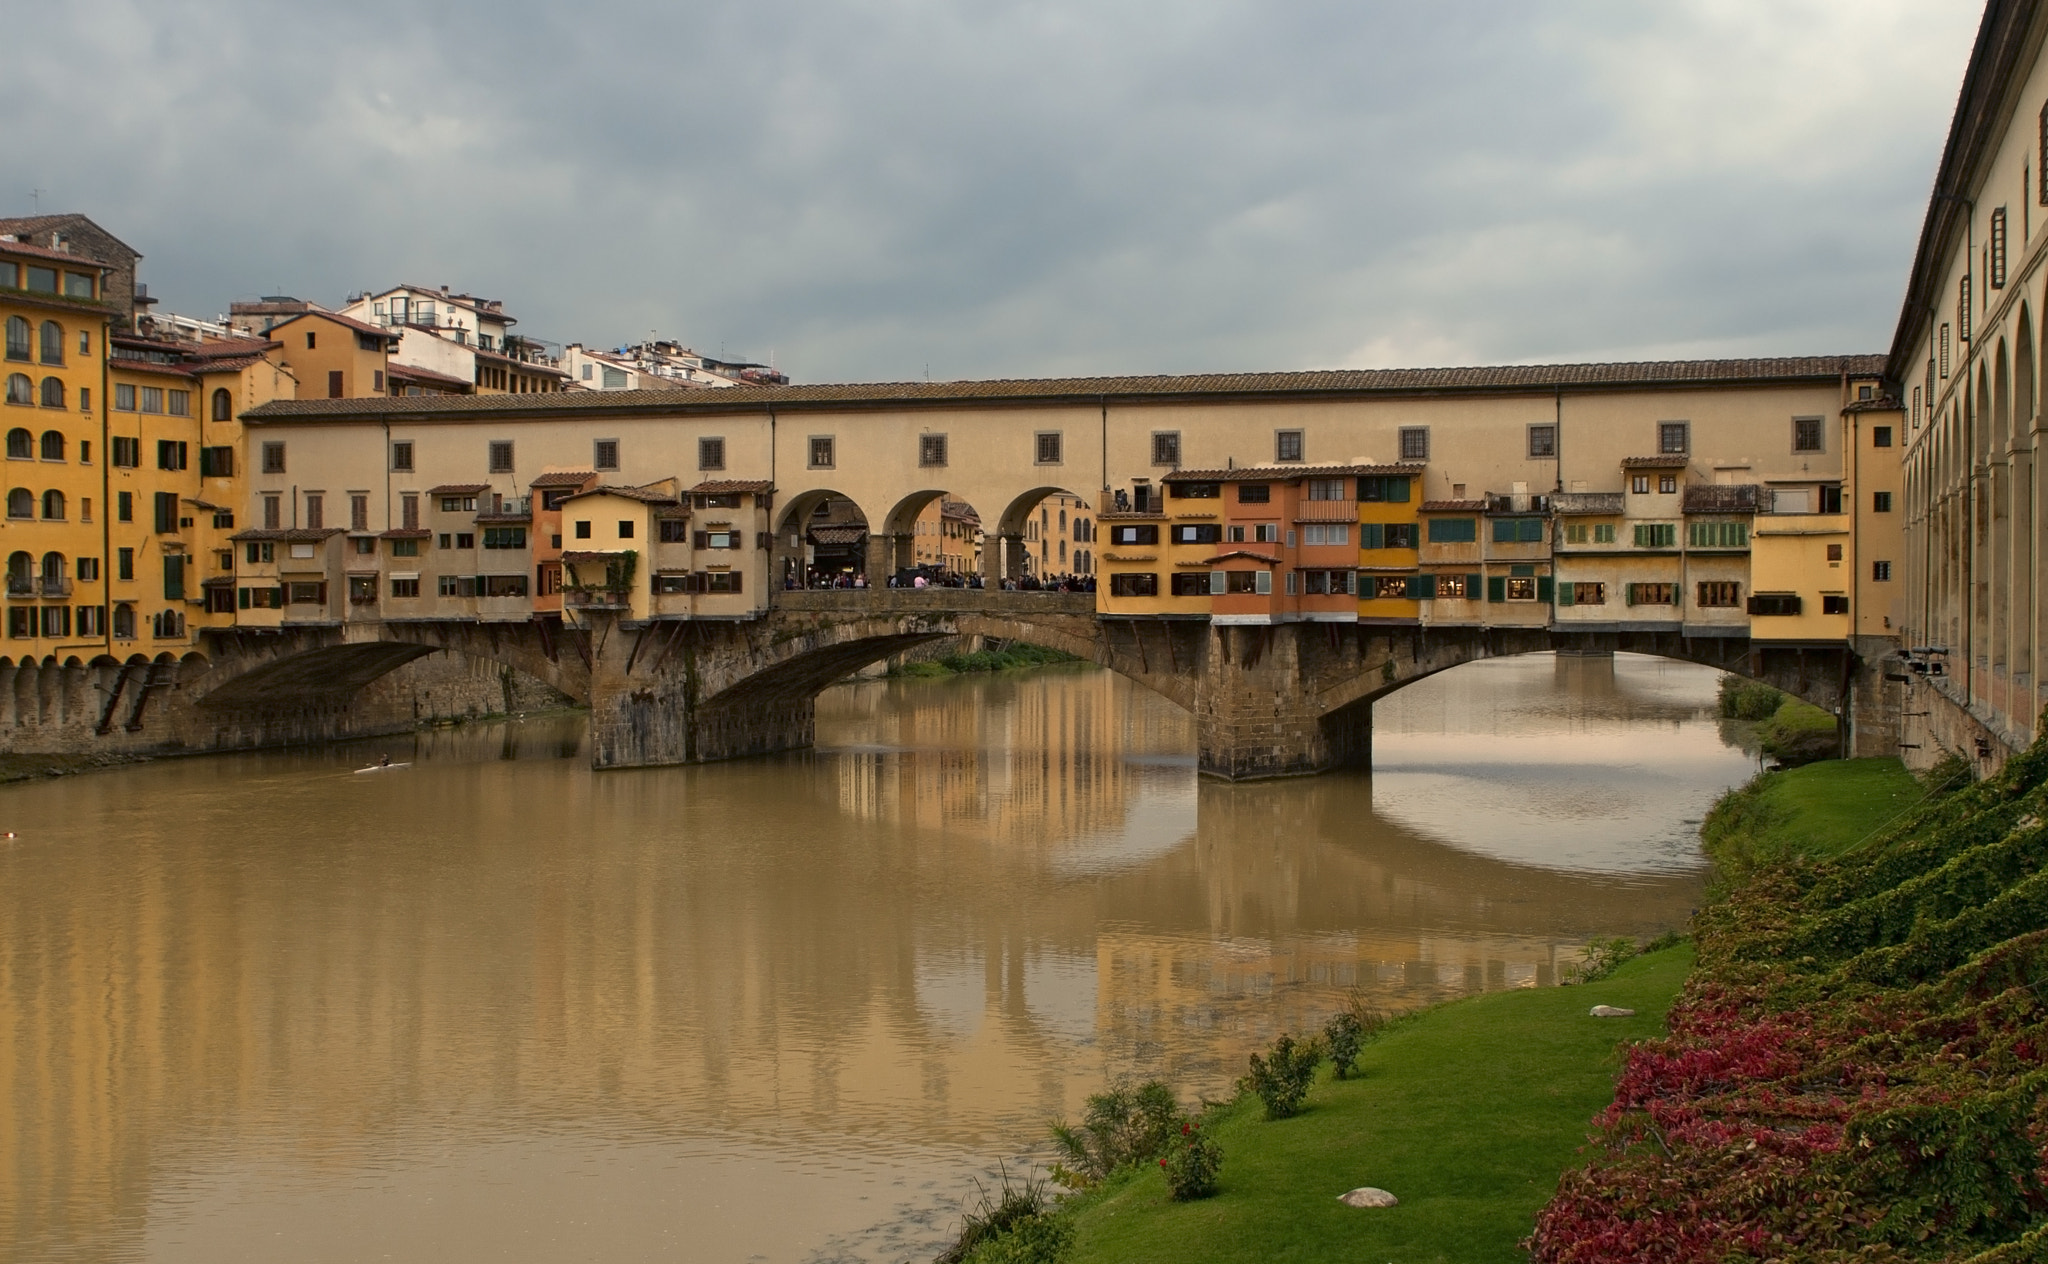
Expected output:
(1566, 594)
(1497, 588)
(174, 577)
(1544, 587)
(1421, 588)
(1372, 535)
(1472, 585)
(1397, 490)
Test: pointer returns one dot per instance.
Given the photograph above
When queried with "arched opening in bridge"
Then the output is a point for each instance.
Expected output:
(821, 541)
(1046, 538)
(933, 538)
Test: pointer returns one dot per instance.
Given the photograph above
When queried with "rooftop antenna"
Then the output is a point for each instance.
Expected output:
(35, 196)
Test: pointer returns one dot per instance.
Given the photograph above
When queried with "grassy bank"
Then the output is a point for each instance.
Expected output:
(1017, 654)
(1858, 1066)
(1466, 1112)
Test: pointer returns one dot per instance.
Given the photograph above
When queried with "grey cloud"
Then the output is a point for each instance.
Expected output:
(868, 188)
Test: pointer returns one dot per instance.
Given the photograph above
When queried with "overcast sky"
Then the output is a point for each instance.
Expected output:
(885, 189)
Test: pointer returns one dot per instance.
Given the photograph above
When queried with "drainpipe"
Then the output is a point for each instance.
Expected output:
(1557, 438)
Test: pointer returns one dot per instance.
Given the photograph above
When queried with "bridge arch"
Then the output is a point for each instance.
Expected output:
(822, 537)
(1026, 524)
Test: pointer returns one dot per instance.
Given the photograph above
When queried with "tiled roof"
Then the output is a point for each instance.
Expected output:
(1245, 553)
(1881, 404)
(726, 486)
(1668, 461)
(427, 377)
(1453, 506)
(44, 252)
(587, 555)
(458, 489)
(230, 364)
(293, 535)
(1721, 498)
(347, 322)
(1519, 378)
(1263, 473)
(838, 535)
(563, 478)
(126, 364)
(405, 533)
(216, 348)
(646, 495)
(32, 224)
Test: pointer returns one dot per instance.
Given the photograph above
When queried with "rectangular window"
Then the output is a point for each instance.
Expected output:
(1519, 588)
(42, 280)
(458, 504)
(1718, 535)
(718, 539)
(1834, 552)
(217, 462)
(1774, 604)
(56, 621)
(1575, 533)
(1656, 535)
(316, 510)
(1166, 449)
(1542, 442)
(409, 511)
(124, 398)
(1338, 533)
(1190, 583)
(1197, 533)
(21, 622)
(1254, 493)
(711, 454)
(1944, 348)
(1881, 572)
(1806, 434)
(1453, 587)
(170, 454)
(358, 512)
(405, 587)
(931, 450)
(821, 452)
(1834, 603)
(303, 593)
(673, 531)
(1266, 533)
(463, 539)
(1650, 594)
(401, 455)
(1667, 484)
(273, 457)
(1719, 594)
(1134, 533)
(501, 456)
(457, 586)
(1880, 502)
(178, 403)
(1384, 490)
(503, 585)
(1415, 443)
(1998, 248)
(1328, 489)
(1048, 447)
(1639, 484)
(625, 528)
(1881, 436)
(405, 548)
(504, 537)
(1132, 584)
(1518, 530)
(604, 454)
(719, 581)
(92, 620)
(1453, 530)
(1287, 445)
(1194, 491)
(152, 399)
(166, 512)
(1673, 438)
(1582, 594)
(664, 584)
(1963, 308)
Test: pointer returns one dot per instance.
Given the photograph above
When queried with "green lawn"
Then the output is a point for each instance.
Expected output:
(1467, 1113)
(1816, 811)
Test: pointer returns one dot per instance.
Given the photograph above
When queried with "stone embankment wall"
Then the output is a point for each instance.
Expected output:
(65, 710)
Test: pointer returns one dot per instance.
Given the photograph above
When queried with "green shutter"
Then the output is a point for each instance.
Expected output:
(174, 577)
(1503, 531)
(1497, 588)
(1421, 588)
(1628, 594)
(1530, 531)
(1472, 587)
(1397, 490)
(1372, 535)
(1544, 586)
(1564, 594)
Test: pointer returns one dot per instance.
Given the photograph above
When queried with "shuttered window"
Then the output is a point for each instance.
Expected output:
(1453, 530)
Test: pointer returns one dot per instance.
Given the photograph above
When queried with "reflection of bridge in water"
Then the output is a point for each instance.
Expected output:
(885, 940)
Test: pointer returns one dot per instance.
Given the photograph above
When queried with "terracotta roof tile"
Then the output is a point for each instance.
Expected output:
(1267, 473)
(1668, 461)
(347, 322)
(563, 478)
(1267, 558)
(726, 486)
(838, 535)
(1520, 378)
(405, 533)
(458, 489)
(1453, 506)
(643, 494)
(427, 377)
(294, 535)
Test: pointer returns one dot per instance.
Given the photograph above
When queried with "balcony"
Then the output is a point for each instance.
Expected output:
(54, 586)
(21, 585)
(1326, 511)
(1607, 504)
(596, 599)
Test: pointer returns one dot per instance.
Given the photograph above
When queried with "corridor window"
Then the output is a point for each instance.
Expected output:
(1415, 443)
(1806, 434)
(1651, 594)
(1287, 445)
(604, 454)
(1335, 533)
(1880, 502)
(1881, 572)
(1881, 436)
(406, 587)
(1195, 491)
(1673, 438)
(931, 450)
(1048, 447)
(821, 452)
(273, 458)
(401, 455)
(1166, 450)
(1719, 594)
(711, 453)
(501, 456)
(1542, 442)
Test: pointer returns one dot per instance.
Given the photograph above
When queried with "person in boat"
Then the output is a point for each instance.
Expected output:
(384, 761)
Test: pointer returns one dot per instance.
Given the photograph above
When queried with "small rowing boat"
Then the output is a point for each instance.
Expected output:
(383, 768)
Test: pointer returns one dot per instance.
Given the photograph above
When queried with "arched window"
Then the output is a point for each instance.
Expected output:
(21, 503)
(20, 390)
(53, 342)
(223, 405)
(53, 505)
(53, 392)
(21, 575)
(124, 622)
(53, 570)
(17, 338)
(53, 446)
(21, 445)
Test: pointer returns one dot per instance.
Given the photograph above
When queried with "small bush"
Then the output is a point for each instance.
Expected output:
(1122, 1126)
(1801, 734)
(1949, 774)
(1348, 1030)
(1045, 1239)
(1010, 1211)
(1599, 959)
(1282, 1077)
(1192, 1163)
(1748, 699)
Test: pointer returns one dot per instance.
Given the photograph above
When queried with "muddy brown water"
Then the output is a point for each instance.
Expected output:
(497, 1007)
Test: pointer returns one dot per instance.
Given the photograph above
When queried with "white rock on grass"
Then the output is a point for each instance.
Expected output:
(1612, 1011)
(1367, 1196)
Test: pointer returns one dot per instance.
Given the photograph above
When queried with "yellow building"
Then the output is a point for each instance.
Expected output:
(174, 476)
(334, 357)
(1390, 584)
(56, 327)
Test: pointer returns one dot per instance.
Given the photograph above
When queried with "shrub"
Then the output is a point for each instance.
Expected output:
(1948, 774)
(1801, 734)
(1599, 958)
(1021, 1211)
(1743, 699)
(1192, 1162)
(1348, 1030)
(1282, 1077)
(1122, 1126)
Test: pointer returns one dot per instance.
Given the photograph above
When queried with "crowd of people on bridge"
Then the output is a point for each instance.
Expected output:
(935, 577)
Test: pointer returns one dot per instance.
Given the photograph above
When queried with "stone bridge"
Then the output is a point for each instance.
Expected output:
(1269, 701)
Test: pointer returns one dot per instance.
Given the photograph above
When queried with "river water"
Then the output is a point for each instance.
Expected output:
(497, 1007)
